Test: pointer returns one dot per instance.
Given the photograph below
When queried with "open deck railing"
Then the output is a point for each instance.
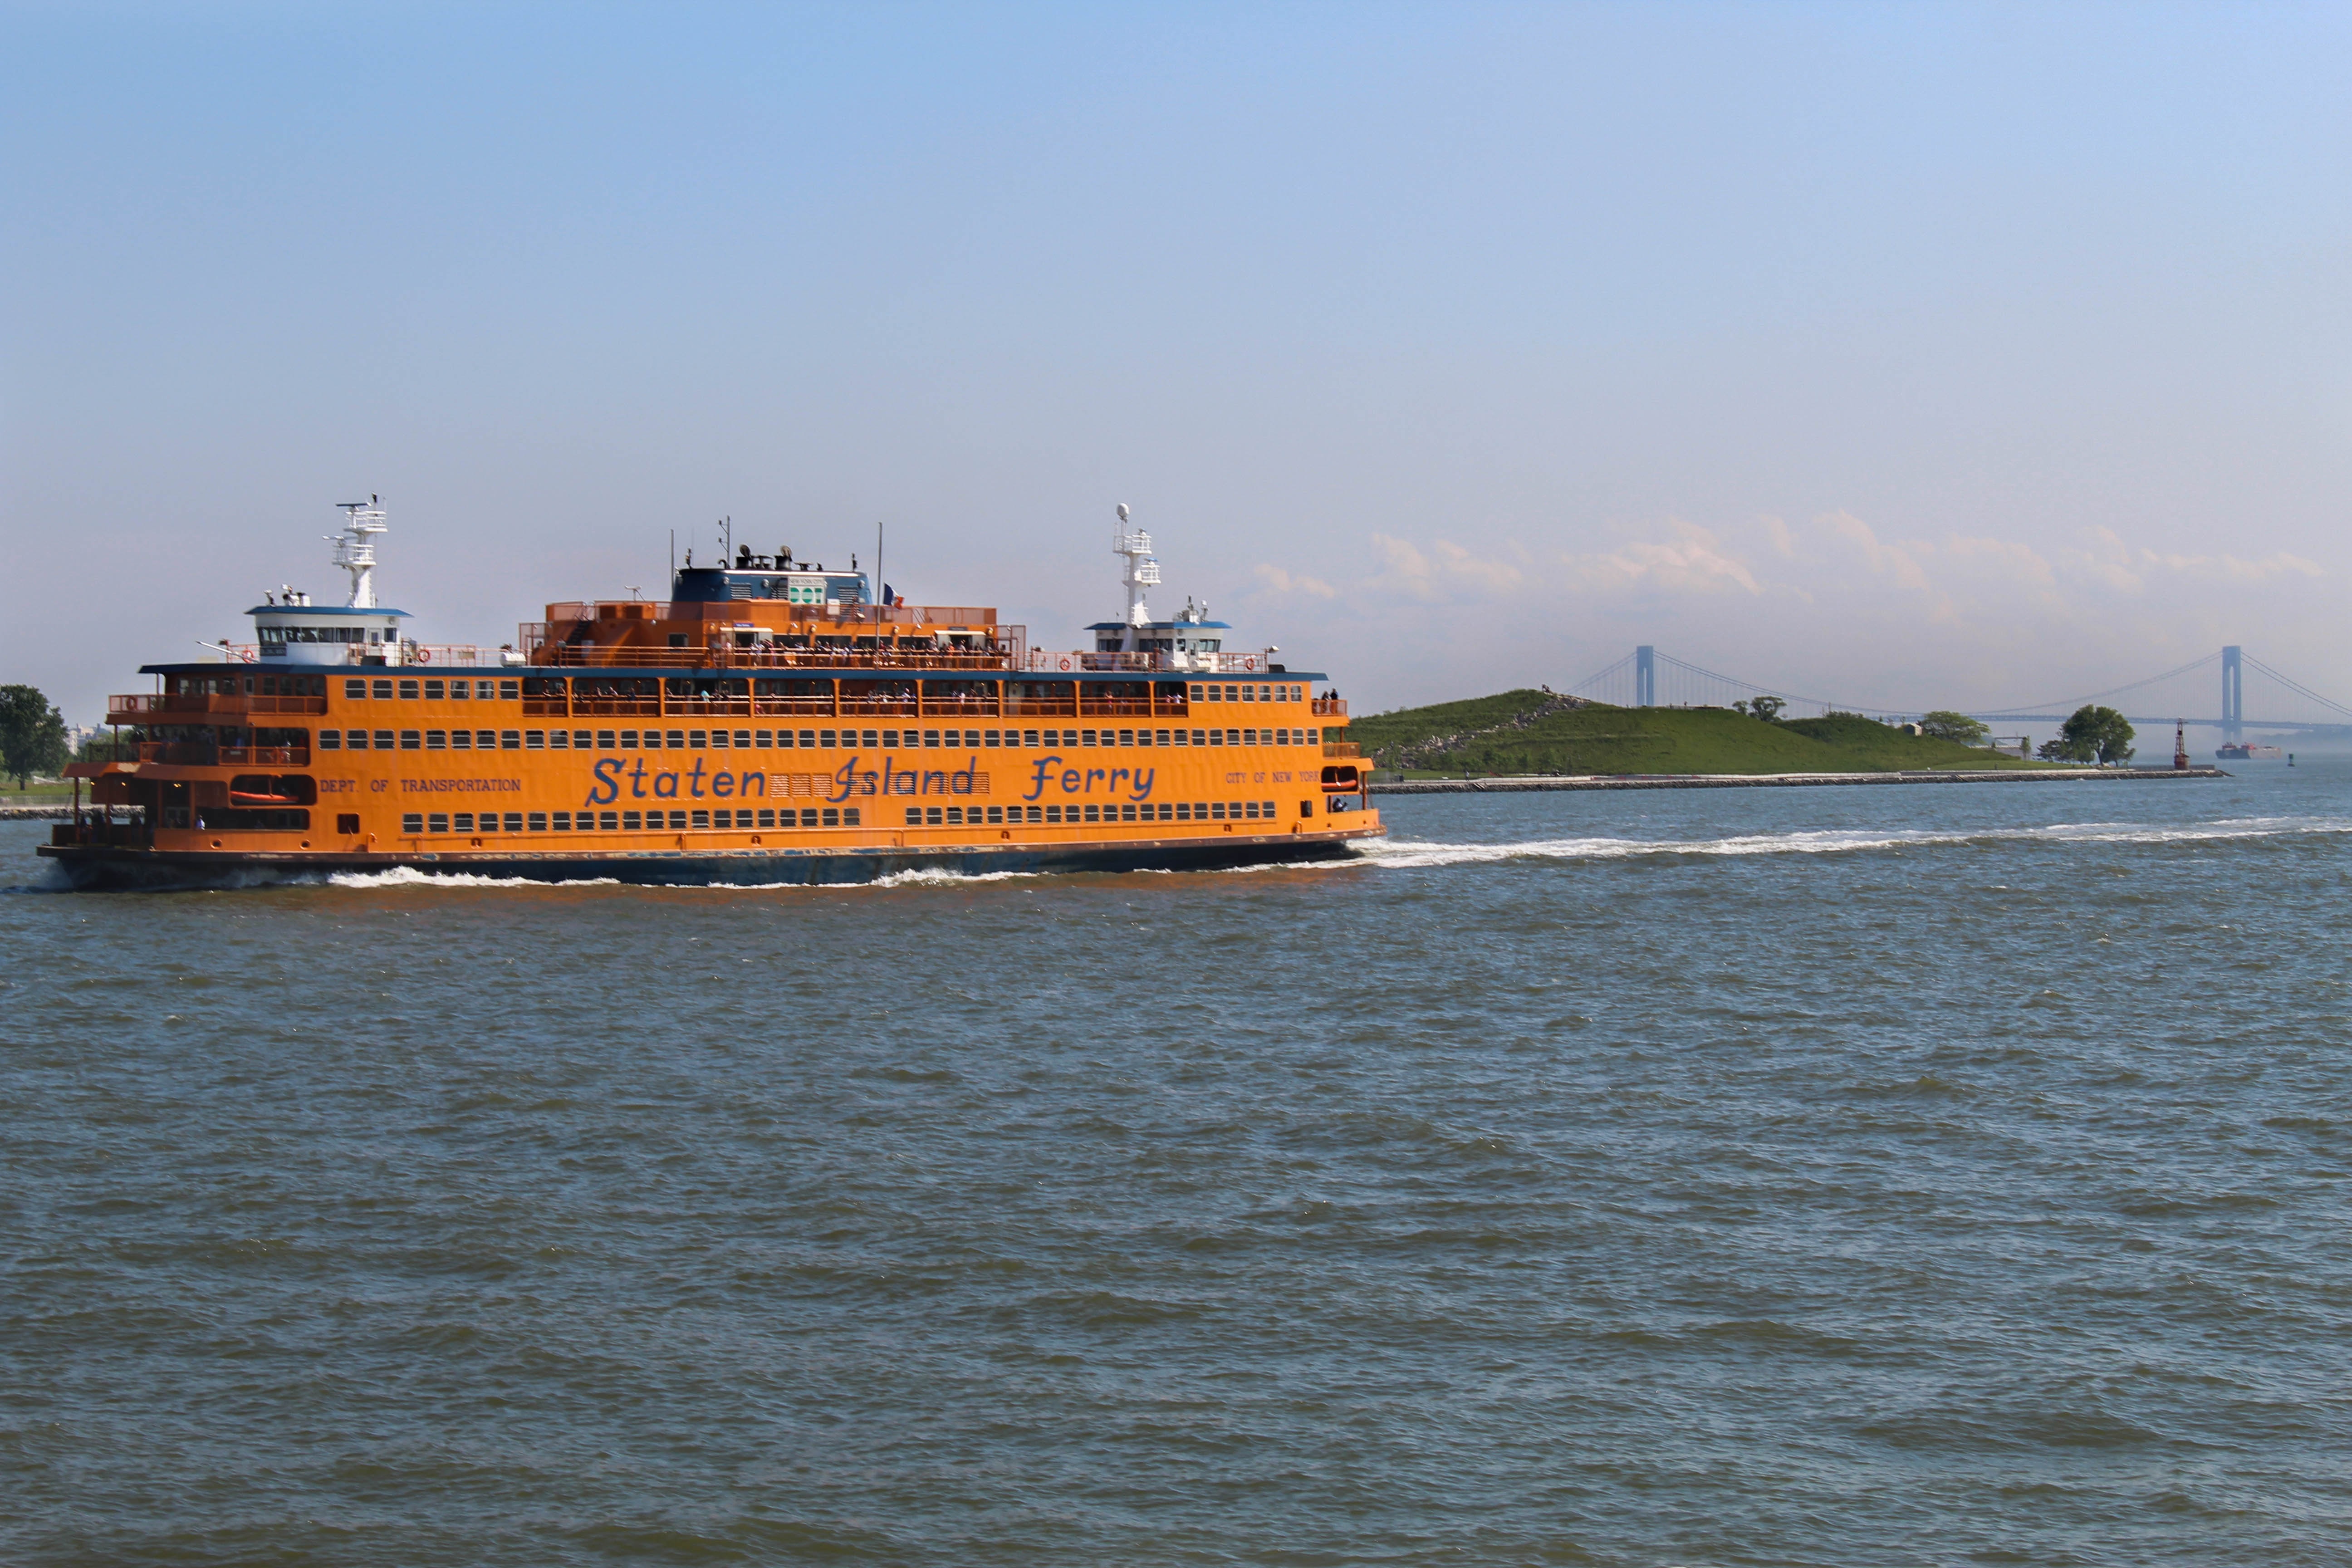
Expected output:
(140, 708)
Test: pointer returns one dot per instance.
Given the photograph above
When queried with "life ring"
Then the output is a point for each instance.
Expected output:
(1066, 663)
(425, 655)
(1250, 663)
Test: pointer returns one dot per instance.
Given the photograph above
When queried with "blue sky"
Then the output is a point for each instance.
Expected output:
(1911, 355)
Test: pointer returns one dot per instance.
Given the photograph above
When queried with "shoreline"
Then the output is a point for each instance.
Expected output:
(1532, 784)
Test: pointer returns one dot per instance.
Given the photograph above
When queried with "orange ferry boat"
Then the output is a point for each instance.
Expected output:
(772, 721)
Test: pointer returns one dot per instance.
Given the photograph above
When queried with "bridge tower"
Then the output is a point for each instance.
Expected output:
(2233, 696)
(1646, 677)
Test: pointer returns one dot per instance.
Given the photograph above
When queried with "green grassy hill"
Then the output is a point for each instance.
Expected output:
(1537, 732)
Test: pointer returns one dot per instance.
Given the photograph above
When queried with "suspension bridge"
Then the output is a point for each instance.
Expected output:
(2211, 693)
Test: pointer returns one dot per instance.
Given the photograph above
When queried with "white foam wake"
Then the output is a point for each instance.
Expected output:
(1400, 853)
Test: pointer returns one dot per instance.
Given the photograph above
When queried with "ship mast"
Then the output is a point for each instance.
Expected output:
(355, 547)
(1142, 572)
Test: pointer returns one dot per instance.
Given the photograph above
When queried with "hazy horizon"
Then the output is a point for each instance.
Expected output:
(1916, 357)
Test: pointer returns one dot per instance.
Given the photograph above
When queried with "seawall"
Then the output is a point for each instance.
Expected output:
(1779, 781)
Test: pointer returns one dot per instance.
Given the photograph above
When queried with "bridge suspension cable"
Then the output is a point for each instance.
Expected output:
(2070, 703)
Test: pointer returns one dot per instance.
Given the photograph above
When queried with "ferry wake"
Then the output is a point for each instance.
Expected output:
(773, 721)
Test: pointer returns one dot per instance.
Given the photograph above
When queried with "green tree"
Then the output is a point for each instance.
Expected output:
(2092, 734)
(32, 734)
(1946, 725)
(1766, 708)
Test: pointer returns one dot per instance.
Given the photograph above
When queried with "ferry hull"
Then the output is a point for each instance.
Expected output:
(113, 868)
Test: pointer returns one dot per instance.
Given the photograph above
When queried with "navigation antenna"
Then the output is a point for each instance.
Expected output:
(355, 547)
(1142, 572)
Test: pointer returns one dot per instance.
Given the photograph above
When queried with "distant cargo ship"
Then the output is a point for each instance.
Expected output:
(770, 722)
(2247, 751)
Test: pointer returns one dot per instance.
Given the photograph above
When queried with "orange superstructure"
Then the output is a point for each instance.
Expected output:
(770, 722)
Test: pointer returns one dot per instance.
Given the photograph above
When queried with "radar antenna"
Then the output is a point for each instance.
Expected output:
(355, 547)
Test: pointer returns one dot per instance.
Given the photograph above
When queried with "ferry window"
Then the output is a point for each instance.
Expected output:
(808, 818)
(537, 822)
(1184, 812)
(412, 741)
(955, 815)
(437, 739)
(1036, 813)
(1250, 810)
(676, 740)
(1167, 812)
(826, 738)
(1127, 813)
(1028, 737)
(457, 690)
(628, 739)
(534, 740)
(1200, 737)
(767, 819)
(461, 739)
(872, 741)
(631, 821)
(563, 821)
(384, 691)
(992, 738)
(348, 822)
(914, 817)
(743, 739)
(702, 818)
(509, 739)
(1249, 693)
(995, 815)
(436, 822)
(1144, 737)
(1307, 808)
(1127, 738)
(1216, 738)
(509, 689)
(1093, 814)
(433, 692)
(465, 822)
(1217, 810)
(763, 739)
(561, 740)
(514, 822)
(677, 639)
(1314, 736)
(849, 816)
(608, 822)
(700, 740)
(330, 739)
(1054, 812)
(408, 692)
(412, 822)
(890, 740)
(355, 688)
(1197, 692)
(934, 818)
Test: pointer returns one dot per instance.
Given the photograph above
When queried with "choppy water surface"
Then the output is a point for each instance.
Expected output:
(1848, 1175)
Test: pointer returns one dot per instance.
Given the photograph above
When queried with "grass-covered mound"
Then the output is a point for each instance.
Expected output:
(1538, 732)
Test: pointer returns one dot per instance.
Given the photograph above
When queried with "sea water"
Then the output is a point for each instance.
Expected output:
(1845, 1175)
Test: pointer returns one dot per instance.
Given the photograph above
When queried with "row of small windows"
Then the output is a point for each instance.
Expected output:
(460, 688)
(769, 740)
(1129, 811)
(459, 691)
(477, 824)
(486, 822)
